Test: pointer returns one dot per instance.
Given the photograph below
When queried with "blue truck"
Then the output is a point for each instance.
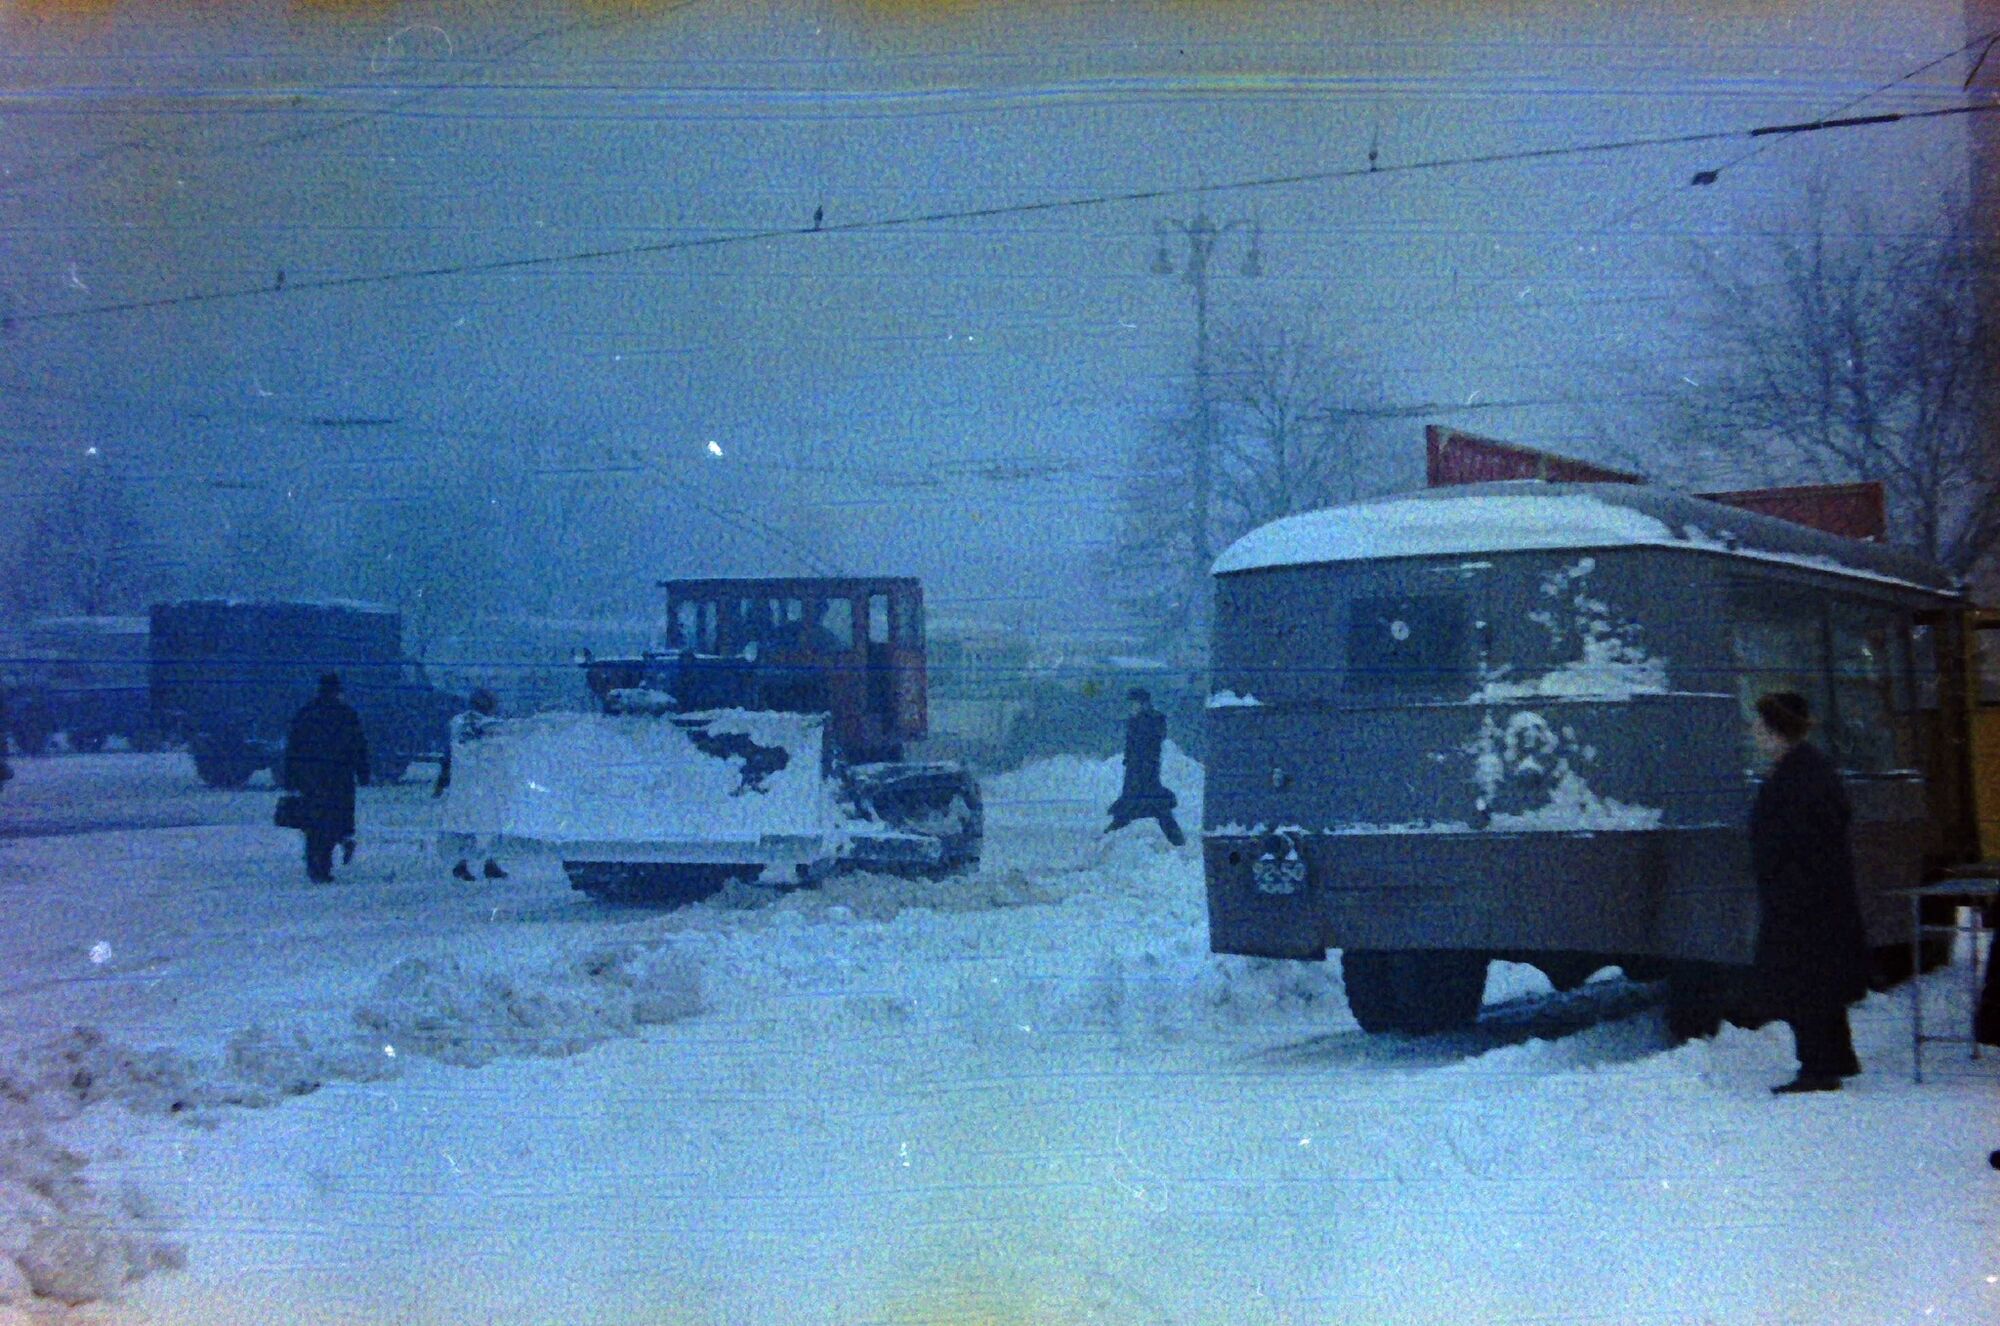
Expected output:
(228, 674)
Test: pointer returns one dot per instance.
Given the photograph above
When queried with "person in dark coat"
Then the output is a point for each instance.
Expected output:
(1144, 796)
(326, 758)
(1812, 950)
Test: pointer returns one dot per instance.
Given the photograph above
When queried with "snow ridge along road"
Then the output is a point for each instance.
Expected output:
(1029, 1096)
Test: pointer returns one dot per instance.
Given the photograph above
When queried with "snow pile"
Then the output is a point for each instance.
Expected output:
(734, 777)
(62, 1238)
(1116, 945)
(1419, 526)
(874, 897)
(66, 1239)
(446, 1011)
(1226, 699)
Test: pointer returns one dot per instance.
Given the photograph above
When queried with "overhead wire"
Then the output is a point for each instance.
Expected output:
(817, 227)
(1985, 41)
(398, 105)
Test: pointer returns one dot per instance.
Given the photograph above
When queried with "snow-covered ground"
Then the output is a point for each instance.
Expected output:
(1030, 1096)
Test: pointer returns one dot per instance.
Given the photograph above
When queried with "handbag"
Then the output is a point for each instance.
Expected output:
(290, 812)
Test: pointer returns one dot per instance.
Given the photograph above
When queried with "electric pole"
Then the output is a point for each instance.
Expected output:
(1202, 235)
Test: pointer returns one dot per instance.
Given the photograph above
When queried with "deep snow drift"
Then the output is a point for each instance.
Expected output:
(1030, 1095)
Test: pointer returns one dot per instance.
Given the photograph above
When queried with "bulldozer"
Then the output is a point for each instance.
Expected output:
(762, 739)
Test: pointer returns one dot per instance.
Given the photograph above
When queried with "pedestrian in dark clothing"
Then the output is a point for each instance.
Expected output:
(1812, 950)
(326, 757)
(1144, 796)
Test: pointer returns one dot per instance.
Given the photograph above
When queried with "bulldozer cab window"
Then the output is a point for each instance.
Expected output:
(1778, 646)
(686, 633)
(836, 618)
(697, 624)
(1924, 665)
(910, 622)
(878, 619)
(1870, 728)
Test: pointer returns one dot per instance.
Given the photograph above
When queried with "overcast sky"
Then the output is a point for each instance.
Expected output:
(950, 397)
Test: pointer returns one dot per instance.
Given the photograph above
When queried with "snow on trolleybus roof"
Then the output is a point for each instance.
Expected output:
(1531, 516)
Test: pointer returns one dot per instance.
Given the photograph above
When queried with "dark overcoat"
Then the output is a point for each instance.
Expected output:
(326, 756)
(1143, 792)
(1812, 950)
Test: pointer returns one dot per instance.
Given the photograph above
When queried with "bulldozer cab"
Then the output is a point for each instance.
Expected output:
(849, 647)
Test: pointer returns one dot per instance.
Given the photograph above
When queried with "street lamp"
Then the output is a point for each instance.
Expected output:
(1202, 235)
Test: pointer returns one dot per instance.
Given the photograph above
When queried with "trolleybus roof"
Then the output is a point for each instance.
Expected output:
(1528, 515)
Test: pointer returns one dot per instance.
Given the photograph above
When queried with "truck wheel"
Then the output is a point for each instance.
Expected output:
(1413, 990)
(652, 883)
(1370, 978)
(86, 741)
(224, 764)
(147, 740)
(32, 738)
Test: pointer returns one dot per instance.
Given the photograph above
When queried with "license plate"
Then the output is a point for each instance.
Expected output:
(1271, 875)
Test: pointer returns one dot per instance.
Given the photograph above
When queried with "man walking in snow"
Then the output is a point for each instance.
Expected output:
(472, 813)
(1144, 796)
(326, 758)
(1811, 952)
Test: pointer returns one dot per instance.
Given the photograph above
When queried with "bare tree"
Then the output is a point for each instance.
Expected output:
(1849, 354)
(1290, 429)
(1287, 429)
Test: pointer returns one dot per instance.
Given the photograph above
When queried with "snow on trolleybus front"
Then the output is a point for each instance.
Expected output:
(1511, 720)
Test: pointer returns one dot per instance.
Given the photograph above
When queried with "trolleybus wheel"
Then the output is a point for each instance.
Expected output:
(1413, 990)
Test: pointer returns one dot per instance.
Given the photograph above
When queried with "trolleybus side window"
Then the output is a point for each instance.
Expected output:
(1778, 647)
(1924, 664)
(1986, 661)
(1871, 730)
(1414, 643)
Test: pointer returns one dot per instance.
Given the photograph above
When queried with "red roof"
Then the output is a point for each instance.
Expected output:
(1855, 510)
(1453, 457)
(1852, 510)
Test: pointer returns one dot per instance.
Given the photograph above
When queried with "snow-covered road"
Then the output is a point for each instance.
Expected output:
(1027, 1097)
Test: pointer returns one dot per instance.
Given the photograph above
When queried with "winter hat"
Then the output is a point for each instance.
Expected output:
(1786, 713)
